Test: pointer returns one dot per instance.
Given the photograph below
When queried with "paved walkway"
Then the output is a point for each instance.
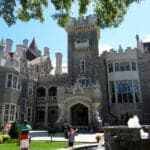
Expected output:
(81, 137)
(89, 138)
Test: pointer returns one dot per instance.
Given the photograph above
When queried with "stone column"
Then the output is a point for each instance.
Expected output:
(46, 116)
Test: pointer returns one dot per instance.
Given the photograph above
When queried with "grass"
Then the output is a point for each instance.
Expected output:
(35, 145)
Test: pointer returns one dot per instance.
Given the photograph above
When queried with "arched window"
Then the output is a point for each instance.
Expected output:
(52, 91)
(40, 116)
(41, 92)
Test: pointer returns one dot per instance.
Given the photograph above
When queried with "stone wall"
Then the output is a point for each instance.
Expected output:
(124, 138)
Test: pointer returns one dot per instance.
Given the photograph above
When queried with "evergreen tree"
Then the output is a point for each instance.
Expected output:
(14, 131)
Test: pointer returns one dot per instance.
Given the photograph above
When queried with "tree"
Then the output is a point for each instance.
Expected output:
(14, 131)
(110, 13)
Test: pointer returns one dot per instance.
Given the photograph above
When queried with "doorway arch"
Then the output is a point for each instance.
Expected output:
(79, 115)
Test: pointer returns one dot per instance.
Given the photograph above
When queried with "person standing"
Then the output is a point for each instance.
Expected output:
(24, 136)
(71, 136)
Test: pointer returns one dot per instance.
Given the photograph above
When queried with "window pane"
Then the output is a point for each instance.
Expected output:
(133, 66)
(19, 83)
(136, 91)
(9, 81)
(14, 82)
(30, 91)
(110, 67)
(116, 66)
(124, 91)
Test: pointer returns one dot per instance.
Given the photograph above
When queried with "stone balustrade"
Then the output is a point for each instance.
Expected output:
(47, 100)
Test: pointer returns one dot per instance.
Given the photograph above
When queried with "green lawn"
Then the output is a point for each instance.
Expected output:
(35, 145)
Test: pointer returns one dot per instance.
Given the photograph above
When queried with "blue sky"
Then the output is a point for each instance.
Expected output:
(136, 21)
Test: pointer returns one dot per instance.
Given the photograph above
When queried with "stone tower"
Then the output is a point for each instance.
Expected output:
(83, 36)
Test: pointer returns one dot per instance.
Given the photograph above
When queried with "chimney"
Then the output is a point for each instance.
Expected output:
(46, 51)
(58, 69)
(9, 44)
(25, 43)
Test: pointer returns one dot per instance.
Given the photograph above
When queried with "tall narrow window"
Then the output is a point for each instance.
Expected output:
(82, 64)
(19, 83)
(29, 114)
(119, 91)
(133, 66)
(112, 92)
(24, 104)
(127, 66)
(9, 112)
(14, 82)
(6, 112)
(41, 92)
(110, 67)
(9, 81)
(12, 112)
(30, 90)
(117, 67)
(136, 90)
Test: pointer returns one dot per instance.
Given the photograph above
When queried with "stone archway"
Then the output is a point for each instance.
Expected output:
(79, 115)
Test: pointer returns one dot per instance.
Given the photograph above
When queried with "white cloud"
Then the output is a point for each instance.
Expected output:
(64, 69)
(104, 47)
(146, 38)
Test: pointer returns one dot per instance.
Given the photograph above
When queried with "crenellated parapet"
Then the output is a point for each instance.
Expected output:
(82, 24)
(120, 54)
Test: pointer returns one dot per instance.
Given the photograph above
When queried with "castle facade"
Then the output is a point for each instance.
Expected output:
(97, 90)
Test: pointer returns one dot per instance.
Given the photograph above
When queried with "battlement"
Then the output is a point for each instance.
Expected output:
(84, 23)
(128, 53)
(83, 20)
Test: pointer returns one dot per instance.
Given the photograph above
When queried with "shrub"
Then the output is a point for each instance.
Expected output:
(4, 137)
(14, 131)
(1, 138)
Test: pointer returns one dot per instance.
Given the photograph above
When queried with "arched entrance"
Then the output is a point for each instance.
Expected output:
(79, 115)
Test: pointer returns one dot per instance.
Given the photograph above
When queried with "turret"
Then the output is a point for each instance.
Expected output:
(9, 44)
(19, 49)
(25, 43)
(139, 44)
(46, 51)
(120, 49)
(2, 46)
